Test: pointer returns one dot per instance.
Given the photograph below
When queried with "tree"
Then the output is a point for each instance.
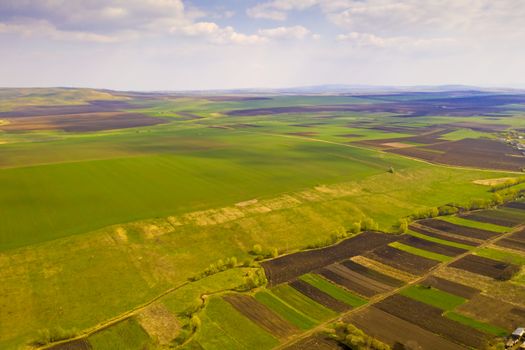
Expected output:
(403, 225)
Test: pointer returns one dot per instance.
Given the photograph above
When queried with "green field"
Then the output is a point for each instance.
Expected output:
(224, 328)
(333, 290)
(433, 296)
(126, 335)
(501, 255)
(484, 327)
(420, 252)
(284, 310)
(302, 303)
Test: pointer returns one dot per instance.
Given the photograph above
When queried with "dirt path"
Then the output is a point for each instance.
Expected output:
(377, 299)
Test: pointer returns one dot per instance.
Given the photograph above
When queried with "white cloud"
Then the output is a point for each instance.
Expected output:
(295, 32)
(399, 42)
(277, 9)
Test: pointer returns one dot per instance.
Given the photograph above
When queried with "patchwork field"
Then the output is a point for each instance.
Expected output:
(159, 220)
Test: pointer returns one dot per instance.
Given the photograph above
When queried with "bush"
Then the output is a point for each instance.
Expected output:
(356, 339)
(46, 336)
(403, 226)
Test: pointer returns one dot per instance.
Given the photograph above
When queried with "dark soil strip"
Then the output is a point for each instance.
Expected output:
(378, 276)
(391, 330)
(494, 217)
(338, 278)
(319, 296)
(429, 318)
(445, 236)
(515, 205)
(486, 267)
(261, 315)
(432, 246)
(79, 344)
(316, 342)
(457, 229)
(450, 287)
(401, 260)
(511, 243)
(289, 267)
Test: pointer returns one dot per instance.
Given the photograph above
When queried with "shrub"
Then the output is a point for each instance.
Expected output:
(356, 339)
(46, 336)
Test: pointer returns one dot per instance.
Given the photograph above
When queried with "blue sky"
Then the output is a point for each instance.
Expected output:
(202, 44)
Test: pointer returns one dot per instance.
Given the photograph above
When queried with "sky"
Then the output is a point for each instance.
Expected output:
(204, 44)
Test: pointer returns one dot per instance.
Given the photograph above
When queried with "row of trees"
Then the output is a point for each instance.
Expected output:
(355, 339)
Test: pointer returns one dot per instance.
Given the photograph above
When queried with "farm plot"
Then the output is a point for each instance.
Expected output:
(261, 315)
(373, 274)
(486, 267)
(515, 205)
(420, 252)
(316, 342)
(434, 297)
(450, 287)
(496, 216)
(494, 311)
(126, 335)
(302, 303)
(444, 239)
(333, 290)
(430, 318)
(319, 296)
(401, 260)
(431, 246)
(289, 267)
(284, 310)
(514, 241)
(457, 229)
(391, 330)
(353, 281)
(475, 224)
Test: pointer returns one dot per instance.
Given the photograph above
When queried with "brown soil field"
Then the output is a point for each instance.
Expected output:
(82, 122)
(385, 269)
(494, 311)
(353, 281)
(261, 315)
(480, 126)
(450, 287)
(477, 153)
(391, 329)
(457, 229)
(319, 296)
(429, 318)
(486, 267)
(515, 205)
(443, 235)
(494, 217)
(397, 144)
(79, 344)
(373, 274)
(316, 342)
(431, 246)
(512, 244)
(401, 260)
(291, 266)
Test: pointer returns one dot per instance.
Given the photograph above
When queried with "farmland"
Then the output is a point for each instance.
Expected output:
(220, 222)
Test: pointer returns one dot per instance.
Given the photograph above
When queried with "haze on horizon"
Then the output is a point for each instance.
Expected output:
(200, 44)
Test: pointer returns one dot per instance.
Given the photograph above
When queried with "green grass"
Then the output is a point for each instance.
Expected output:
(440, 241)
(333, 290)
(481, 326)
(223, 327)
(501, 255)
(433, 296)
(461, 134)
(126, 335)
(420, 252)
(302, 303)
(474, 224)
(284, 310)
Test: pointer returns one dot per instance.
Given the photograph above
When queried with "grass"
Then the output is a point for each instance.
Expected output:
(420, 252)
(302, 303)
(481, 326)
(126, 335)
(284, 310)
(501, 255)
(333, 290)
(223, 327)
(433, 296)
(440, 241)
(474, 224)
